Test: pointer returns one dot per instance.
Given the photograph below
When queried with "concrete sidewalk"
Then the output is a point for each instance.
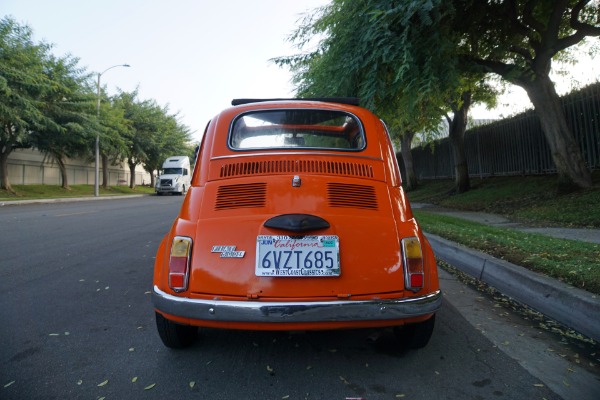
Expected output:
(572, 307)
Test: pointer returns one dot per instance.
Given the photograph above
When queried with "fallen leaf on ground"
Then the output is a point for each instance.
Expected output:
(150, 386)
(103, 383)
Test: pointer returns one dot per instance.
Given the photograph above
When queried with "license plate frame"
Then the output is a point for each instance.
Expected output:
(297, 256)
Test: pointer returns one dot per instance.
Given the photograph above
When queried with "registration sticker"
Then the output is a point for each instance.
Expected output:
(297, 256)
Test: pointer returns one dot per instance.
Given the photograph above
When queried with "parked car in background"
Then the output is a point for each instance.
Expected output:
(295, 220)
(175, 176)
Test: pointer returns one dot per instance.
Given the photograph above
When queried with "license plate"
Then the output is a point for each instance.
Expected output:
(297, 256)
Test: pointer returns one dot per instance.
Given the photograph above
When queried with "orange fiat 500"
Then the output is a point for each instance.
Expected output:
(295, 220)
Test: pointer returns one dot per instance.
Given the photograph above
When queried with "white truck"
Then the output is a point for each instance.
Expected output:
(175, 176)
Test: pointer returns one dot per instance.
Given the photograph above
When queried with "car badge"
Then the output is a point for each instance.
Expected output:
(296, 182)
(228, 251)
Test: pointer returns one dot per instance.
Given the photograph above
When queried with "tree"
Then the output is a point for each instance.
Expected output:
(70, 106)
(113, 128)
(172, 138)
(22, 83)
(377, 50)
(517, 40)
(153, 133)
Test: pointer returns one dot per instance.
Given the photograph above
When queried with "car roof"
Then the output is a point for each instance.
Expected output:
(353, 101)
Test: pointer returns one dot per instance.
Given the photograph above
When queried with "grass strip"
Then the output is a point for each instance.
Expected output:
(573, 262)
(33, 192)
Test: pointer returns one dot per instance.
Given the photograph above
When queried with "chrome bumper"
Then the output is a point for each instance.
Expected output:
(321, 311)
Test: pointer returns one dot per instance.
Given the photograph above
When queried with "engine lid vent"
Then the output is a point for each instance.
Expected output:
(241, 196)
(355, 169)
(353, 196)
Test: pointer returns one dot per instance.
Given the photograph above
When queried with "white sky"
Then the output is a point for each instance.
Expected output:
(194, 55)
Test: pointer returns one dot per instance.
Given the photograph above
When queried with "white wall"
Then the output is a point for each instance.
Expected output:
(29, 167)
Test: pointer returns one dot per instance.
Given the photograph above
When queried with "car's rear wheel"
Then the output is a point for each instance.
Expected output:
(415, 336)
(173, 335)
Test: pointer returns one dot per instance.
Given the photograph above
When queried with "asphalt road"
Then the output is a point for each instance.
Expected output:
(76, 322)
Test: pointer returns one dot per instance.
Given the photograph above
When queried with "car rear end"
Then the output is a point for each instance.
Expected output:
(296, 220)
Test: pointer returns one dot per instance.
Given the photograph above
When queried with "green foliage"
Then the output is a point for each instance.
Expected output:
(529, 199)
(396, 56)
(33, 192)
(22, 82)
(153, 134)
(70, 107)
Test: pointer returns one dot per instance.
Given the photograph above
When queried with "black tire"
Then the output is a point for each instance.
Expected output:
(415, 336)
(158, 193)
(173, 335)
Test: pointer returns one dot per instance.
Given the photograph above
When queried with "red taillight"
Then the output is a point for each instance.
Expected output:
(414, 275)
(179, 263)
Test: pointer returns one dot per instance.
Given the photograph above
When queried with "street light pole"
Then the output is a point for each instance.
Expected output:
(96, 180)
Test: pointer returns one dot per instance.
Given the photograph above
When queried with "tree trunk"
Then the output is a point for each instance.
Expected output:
(5, 183)
(573, 173)
(458, 126)
(104, 170)
(405, 149)
(63, 172)
(131, 174)
(152, 179)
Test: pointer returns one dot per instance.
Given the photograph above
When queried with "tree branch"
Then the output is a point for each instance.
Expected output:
(553, 27)
(523, 52)
(586, 29)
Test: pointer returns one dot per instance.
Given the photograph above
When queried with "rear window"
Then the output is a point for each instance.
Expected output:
(297, 128)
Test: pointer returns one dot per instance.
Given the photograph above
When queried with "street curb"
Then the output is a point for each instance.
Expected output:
(67, 200)
(570, 306)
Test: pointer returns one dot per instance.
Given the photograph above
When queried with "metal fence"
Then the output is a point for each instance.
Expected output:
(516, 145)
